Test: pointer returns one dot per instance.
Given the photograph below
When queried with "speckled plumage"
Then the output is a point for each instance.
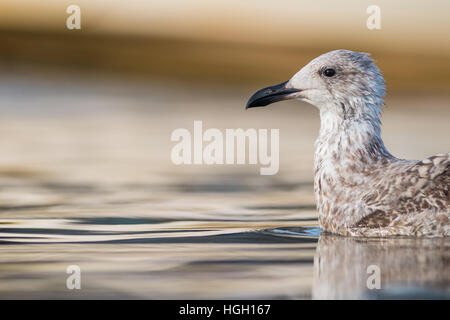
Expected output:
(360, 188)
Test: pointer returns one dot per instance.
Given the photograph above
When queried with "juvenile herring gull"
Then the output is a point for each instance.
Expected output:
(361, 189)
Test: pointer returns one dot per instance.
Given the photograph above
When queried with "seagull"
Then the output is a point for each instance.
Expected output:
(360, 188)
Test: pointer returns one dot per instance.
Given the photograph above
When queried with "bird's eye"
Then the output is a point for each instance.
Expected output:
(329, 72)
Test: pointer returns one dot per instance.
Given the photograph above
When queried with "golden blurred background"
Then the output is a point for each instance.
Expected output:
(234, 41)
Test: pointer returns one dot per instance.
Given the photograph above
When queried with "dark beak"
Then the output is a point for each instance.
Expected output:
(270, 95)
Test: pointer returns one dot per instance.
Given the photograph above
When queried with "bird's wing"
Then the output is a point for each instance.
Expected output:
(424, 186)
(435, 172)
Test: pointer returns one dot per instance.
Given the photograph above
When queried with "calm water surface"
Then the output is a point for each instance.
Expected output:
(86, 179)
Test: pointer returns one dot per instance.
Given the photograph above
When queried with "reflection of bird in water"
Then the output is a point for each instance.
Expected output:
(361, 189)
(407, 267)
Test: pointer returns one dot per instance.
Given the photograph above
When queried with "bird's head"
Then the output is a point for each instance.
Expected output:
(343, 82)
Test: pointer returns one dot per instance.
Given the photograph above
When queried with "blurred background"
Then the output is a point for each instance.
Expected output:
(167, 63)
(227, 41)
(86, 119)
